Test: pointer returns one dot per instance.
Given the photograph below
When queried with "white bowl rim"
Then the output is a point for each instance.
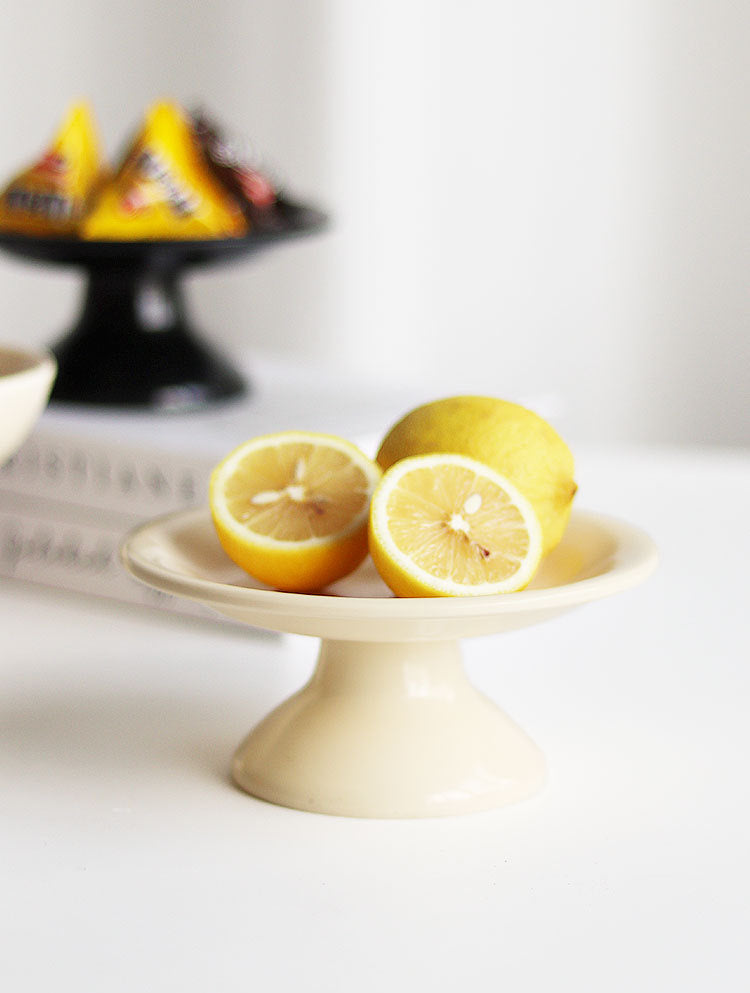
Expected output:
(24, 361)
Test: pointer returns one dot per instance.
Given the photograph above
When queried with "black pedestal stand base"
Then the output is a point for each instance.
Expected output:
(133, 347)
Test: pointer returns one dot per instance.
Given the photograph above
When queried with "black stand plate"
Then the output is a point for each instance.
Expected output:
(133, 344)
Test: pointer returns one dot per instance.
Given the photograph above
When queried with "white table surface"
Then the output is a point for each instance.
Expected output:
(130, 863)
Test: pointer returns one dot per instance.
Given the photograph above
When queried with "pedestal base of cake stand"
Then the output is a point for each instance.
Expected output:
(388, 725)
(389, 729)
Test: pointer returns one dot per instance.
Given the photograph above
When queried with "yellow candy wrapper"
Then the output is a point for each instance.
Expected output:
(52, 195)
(164, 189)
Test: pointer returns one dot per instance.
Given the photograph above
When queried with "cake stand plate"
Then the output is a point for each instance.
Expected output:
(134, 344)
(388, 725)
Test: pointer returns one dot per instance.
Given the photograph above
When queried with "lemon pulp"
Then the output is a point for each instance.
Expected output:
(297, 491)
(291, 508)
(448, 525)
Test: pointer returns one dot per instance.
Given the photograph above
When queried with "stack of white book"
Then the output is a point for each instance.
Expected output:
(85, 477)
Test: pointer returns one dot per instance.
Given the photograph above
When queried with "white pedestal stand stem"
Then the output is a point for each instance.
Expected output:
(388, 729)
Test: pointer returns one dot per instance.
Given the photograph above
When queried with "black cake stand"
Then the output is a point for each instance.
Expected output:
(133, 344)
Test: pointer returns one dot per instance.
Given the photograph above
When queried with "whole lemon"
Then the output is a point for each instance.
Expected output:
(512, 440)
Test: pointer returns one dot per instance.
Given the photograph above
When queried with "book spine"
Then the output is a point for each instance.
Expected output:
(110, 476)
(79, 558)
(66, 504)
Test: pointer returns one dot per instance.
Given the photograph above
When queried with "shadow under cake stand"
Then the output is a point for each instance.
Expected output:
(133, 343)
(388, 725)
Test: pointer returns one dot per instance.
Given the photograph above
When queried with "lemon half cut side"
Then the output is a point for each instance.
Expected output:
(291, 508)
(447, 525)
(514, 441)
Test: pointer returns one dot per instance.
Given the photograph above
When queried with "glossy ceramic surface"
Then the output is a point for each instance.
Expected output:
(26, 379)
(388, 726)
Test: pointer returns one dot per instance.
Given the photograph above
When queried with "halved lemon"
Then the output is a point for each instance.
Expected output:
(291, 508)
(514, 441)
(447, 525)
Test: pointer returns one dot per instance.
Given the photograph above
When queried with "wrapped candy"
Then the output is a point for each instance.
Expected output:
(231, 164)
(51, 196)
(164, 188)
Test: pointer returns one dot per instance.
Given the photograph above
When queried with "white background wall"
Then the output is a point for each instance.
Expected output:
(538, 199)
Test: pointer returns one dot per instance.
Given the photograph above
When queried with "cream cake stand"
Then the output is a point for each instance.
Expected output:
(388, 725)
